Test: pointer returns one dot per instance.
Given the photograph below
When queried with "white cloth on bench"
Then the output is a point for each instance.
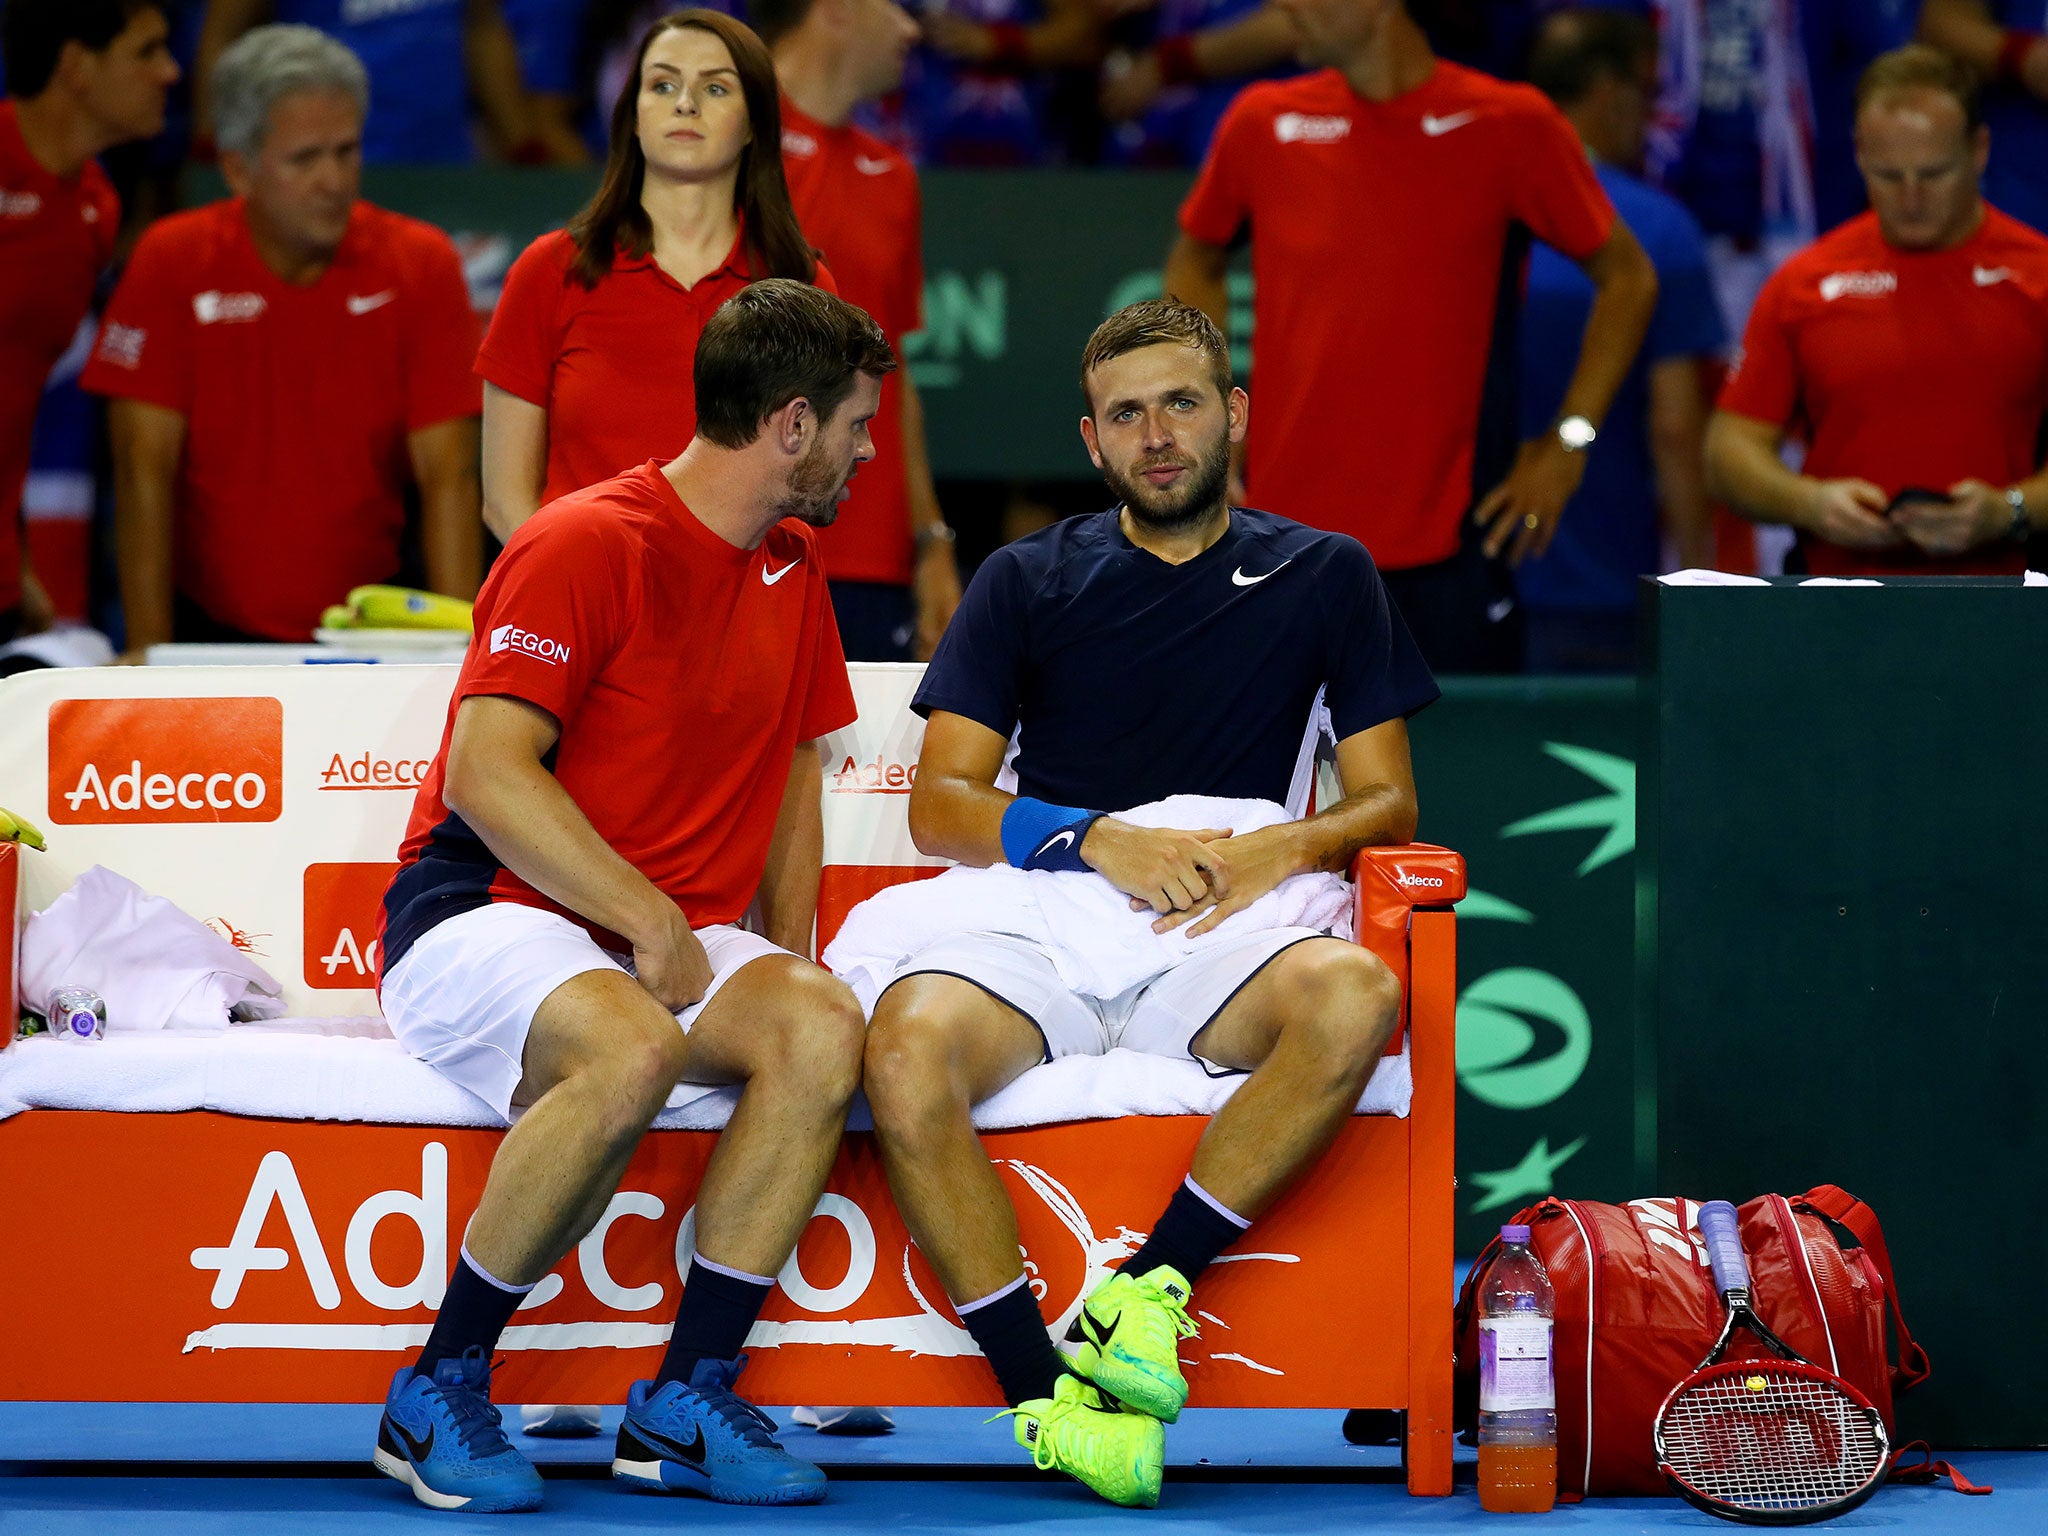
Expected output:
(285, 1071)
(157, 966)
(1100, 947)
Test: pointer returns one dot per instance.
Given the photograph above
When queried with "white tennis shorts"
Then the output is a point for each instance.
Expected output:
(463, 997)
(1161, 1017)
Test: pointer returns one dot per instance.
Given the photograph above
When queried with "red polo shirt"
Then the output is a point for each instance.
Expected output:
(683, 670)
(55, 236)
(1905, 368)
(1377, 233)
(611, 365)
(859, 202)
(297, 400)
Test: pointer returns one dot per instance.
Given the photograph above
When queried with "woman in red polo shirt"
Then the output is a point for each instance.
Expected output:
(587, 365)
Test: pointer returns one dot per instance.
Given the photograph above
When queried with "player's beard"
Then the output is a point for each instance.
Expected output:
(814, 487)
(1195, 496)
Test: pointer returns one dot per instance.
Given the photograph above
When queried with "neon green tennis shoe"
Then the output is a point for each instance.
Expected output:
(1131, 1328)
(1121, 1456)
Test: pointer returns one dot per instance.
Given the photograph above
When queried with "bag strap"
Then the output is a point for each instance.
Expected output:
(1836, 1203)
(1928, 1470)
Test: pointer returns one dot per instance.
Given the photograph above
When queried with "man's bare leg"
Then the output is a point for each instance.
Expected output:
(1310, 1027)
(937, 1046)
(601, 1058)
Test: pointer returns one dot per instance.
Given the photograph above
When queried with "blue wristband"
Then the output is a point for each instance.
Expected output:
(1041, 836)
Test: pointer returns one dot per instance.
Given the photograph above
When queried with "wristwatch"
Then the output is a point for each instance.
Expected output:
(1576, 434)
(2022, 524)
(933, 533)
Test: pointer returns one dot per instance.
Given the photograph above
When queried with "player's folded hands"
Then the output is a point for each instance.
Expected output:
(1256, 863)
(1163, 868)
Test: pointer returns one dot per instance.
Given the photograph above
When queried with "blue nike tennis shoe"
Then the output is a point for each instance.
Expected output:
(443, 1439)
(705, 1438)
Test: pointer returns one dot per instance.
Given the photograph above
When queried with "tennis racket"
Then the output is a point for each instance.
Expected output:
(1771, 1440)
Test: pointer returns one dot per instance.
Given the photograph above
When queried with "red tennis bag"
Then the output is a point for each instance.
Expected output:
(1637, 1309)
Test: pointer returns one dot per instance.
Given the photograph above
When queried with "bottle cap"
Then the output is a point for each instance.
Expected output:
(1514, 1232)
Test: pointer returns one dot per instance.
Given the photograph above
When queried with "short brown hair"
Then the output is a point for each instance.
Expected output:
(1919, 67)
(1149, 324)
(776, 341)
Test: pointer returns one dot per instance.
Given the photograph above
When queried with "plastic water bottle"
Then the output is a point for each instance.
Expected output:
(1517, 1382)
(77, 1013)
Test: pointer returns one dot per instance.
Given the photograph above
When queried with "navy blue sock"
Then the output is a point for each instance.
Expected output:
(473, 1313)
(1011, 1332)
(1194, 1229)
(719, 1305)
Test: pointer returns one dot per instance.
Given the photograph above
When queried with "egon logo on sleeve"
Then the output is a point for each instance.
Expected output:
(144, 761)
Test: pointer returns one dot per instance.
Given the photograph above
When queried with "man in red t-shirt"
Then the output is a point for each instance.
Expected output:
(1908, 348)
(1380, 195)
(630, 761)
(282, 364)
(82, 76)
(894, 579)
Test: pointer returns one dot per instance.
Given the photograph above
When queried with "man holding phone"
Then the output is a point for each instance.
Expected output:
(1908, 349)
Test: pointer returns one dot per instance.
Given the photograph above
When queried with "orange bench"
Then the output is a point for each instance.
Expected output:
(225, 1258)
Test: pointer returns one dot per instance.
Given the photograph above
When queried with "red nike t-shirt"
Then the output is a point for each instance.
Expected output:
(683, 670)
(55, 236)
(860, 204)
(297, 401)
(1904, 368)
(611, 365)
(1378, 231)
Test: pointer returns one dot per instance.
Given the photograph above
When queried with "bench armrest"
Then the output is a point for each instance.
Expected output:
(1410, 874)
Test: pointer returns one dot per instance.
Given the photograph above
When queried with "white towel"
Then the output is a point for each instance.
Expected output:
(298, 1070)
(157, 967)
(1100, 947)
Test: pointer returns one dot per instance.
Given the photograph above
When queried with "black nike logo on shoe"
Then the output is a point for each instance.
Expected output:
(690, 1452)
(415, 1449)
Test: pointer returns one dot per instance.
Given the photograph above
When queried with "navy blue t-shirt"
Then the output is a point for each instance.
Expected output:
(1128, 679)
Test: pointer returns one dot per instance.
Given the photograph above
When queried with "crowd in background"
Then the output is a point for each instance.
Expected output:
(1721, 130)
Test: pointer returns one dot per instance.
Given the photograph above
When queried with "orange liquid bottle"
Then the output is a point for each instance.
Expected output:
(1517, 1384)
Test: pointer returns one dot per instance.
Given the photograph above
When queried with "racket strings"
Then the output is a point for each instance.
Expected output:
(1765, 1440)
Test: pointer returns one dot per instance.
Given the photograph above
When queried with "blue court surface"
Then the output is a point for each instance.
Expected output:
(170, 1470)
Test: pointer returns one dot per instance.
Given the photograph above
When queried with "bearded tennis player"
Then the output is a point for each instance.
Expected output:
(629, 763)
(1174, 645)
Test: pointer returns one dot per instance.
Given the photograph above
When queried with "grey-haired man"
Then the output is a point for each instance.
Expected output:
(281, 364)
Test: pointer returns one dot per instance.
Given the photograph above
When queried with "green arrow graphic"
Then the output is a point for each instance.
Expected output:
(1495, 1038)
(1615, 811)
(1480, 905)
(1534, 1176)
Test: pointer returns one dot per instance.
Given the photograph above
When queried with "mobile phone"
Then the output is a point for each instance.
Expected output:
(1909, 494)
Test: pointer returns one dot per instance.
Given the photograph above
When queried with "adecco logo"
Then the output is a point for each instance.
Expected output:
(368, 772)
(873, 778)
(143, 761)
(1424, 882)
(341, 905)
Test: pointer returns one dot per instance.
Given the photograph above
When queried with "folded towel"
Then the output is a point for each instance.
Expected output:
(286, 1071)
(1100, 947)
(157, 967)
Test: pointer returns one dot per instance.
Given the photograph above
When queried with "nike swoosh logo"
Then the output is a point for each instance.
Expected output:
(769, 578)
(690, 1451)
(1057, 840)
(870, 167)
(1984, 277)
(418, 1449)
(1238, 577)
(1437, 127)
(362, 304)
